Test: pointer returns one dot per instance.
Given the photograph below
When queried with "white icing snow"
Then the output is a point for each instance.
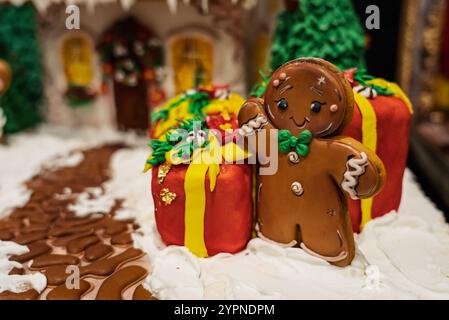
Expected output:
(17, 283)
(92, 200)
(53, 147)
(127, 183)
(21, 159)
(400, 256)
(50, 147)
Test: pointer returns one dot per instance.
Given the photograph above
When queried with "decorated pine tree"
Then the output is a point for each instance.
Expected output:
(328, 29)
(19, 47)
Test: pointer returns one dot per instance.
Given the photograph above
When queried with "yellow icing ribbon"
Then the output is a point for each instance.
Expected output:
(369, 131)
(393, 87)
(205, 160)
(369, 139)
(226, 107)
(195, 205)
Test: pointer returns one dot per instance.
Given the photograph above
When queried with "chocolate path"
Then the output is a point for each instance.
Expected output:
(98, 244)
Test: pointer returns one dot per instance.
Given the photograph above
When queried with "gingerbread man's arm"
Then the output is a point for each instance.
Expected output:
(360, 172)
(252, 119)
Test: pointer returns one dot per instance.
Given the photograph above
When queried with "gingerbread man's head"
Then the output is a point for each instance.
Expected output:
(309, 94)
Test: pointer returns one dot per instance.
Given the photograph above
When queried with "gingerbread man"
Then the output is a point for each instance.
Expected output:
(307, 103)
(5, 79)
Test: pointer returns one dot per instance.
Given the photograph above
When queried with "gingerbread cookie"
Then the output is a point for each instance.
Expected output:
(5, 80)
(308, 102)
(5, 77)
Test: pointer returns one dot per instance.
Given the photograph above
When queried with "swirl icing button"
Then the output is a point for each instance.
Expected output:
(293, 157)
(297, 189)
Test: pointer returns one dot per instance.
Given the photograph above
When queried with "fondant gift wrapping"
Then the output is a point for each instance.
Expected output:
(206, 222)
(196, 103)
(205, 206)
(382, 123)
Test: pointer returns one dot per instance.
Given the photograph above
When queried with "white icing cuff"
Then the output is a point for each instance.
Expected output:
(253, 125)
(351, 177)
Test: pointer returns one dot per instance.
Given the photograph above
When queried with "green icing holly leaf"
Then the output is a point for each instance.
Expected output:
(197, 102)
(259, 88)
(176, 138)
(362, 77)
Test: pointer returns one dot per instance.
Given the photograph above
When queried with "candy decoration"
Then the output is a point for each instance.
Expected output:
(211, 104)
(194, 153)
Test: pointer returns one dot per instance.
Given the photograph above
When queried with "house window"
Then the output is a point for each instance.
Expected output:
(77, 56)
(191, 62)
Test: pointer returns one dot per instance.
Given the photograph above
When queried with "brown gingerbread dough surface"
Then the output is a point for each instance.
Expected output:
(304, 203)
(5, 77)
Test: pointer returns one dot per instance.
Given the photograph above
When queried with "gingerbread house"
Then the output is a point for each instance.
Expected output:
(107, 62)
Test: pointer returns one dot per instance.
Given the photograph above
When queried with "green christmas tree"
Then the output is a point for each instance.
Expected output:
(328, 29)
(20, 48)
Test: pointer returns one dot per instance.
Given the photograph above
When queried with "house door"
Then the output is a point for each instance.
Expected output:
(130, 55)
(132, 109)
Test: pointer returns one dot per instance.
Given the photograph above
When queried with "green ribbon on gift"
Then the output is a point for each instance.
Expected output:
(197, 100)
(287, 141)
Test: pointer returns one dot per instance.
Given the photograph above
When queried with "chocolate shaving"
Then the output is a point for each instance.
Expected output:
(46, 219)
(49, 260)
(97, 251)
(36, 249)
(142, 294)
(112, 287)
(27, 295)
(63, 293)
(122, 239)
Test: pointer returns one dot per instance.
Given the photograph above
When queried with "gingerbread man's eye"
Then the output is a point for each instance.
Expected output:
(316, 106)
(282, 104)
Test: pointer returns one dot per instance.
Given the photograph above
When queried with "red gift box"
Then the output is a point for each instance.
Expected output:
(226, 223)
(207, 208)
(382, 123)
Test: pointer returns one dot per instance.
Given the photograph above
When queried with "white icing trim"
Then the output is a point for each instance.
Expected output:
(282, 245)
(250, 127)
(351, 181)
(342, 255)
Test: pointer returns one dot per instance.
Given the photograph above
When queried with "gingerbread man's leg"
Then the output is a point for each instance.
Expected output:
(280, 228)
(287, 238)
(330, 238)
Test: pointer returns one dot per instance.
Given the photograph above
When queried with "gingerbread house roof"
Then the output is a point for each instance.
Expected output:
(42, 5)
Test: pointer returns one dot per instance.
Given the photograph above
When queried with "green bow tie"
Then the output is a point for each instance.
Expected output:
(301, 144)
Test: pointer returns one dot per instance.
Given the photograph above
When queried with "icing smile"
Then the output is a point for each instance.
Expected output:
(325, 130)
(302, 125)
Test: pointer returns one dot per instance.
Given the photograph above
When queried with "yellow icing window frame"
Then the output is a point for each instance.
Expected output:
(186, 53)
(77, 55)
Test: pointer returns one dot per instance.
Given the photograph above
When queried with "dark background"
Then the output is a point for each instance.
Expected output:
(382, 55)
